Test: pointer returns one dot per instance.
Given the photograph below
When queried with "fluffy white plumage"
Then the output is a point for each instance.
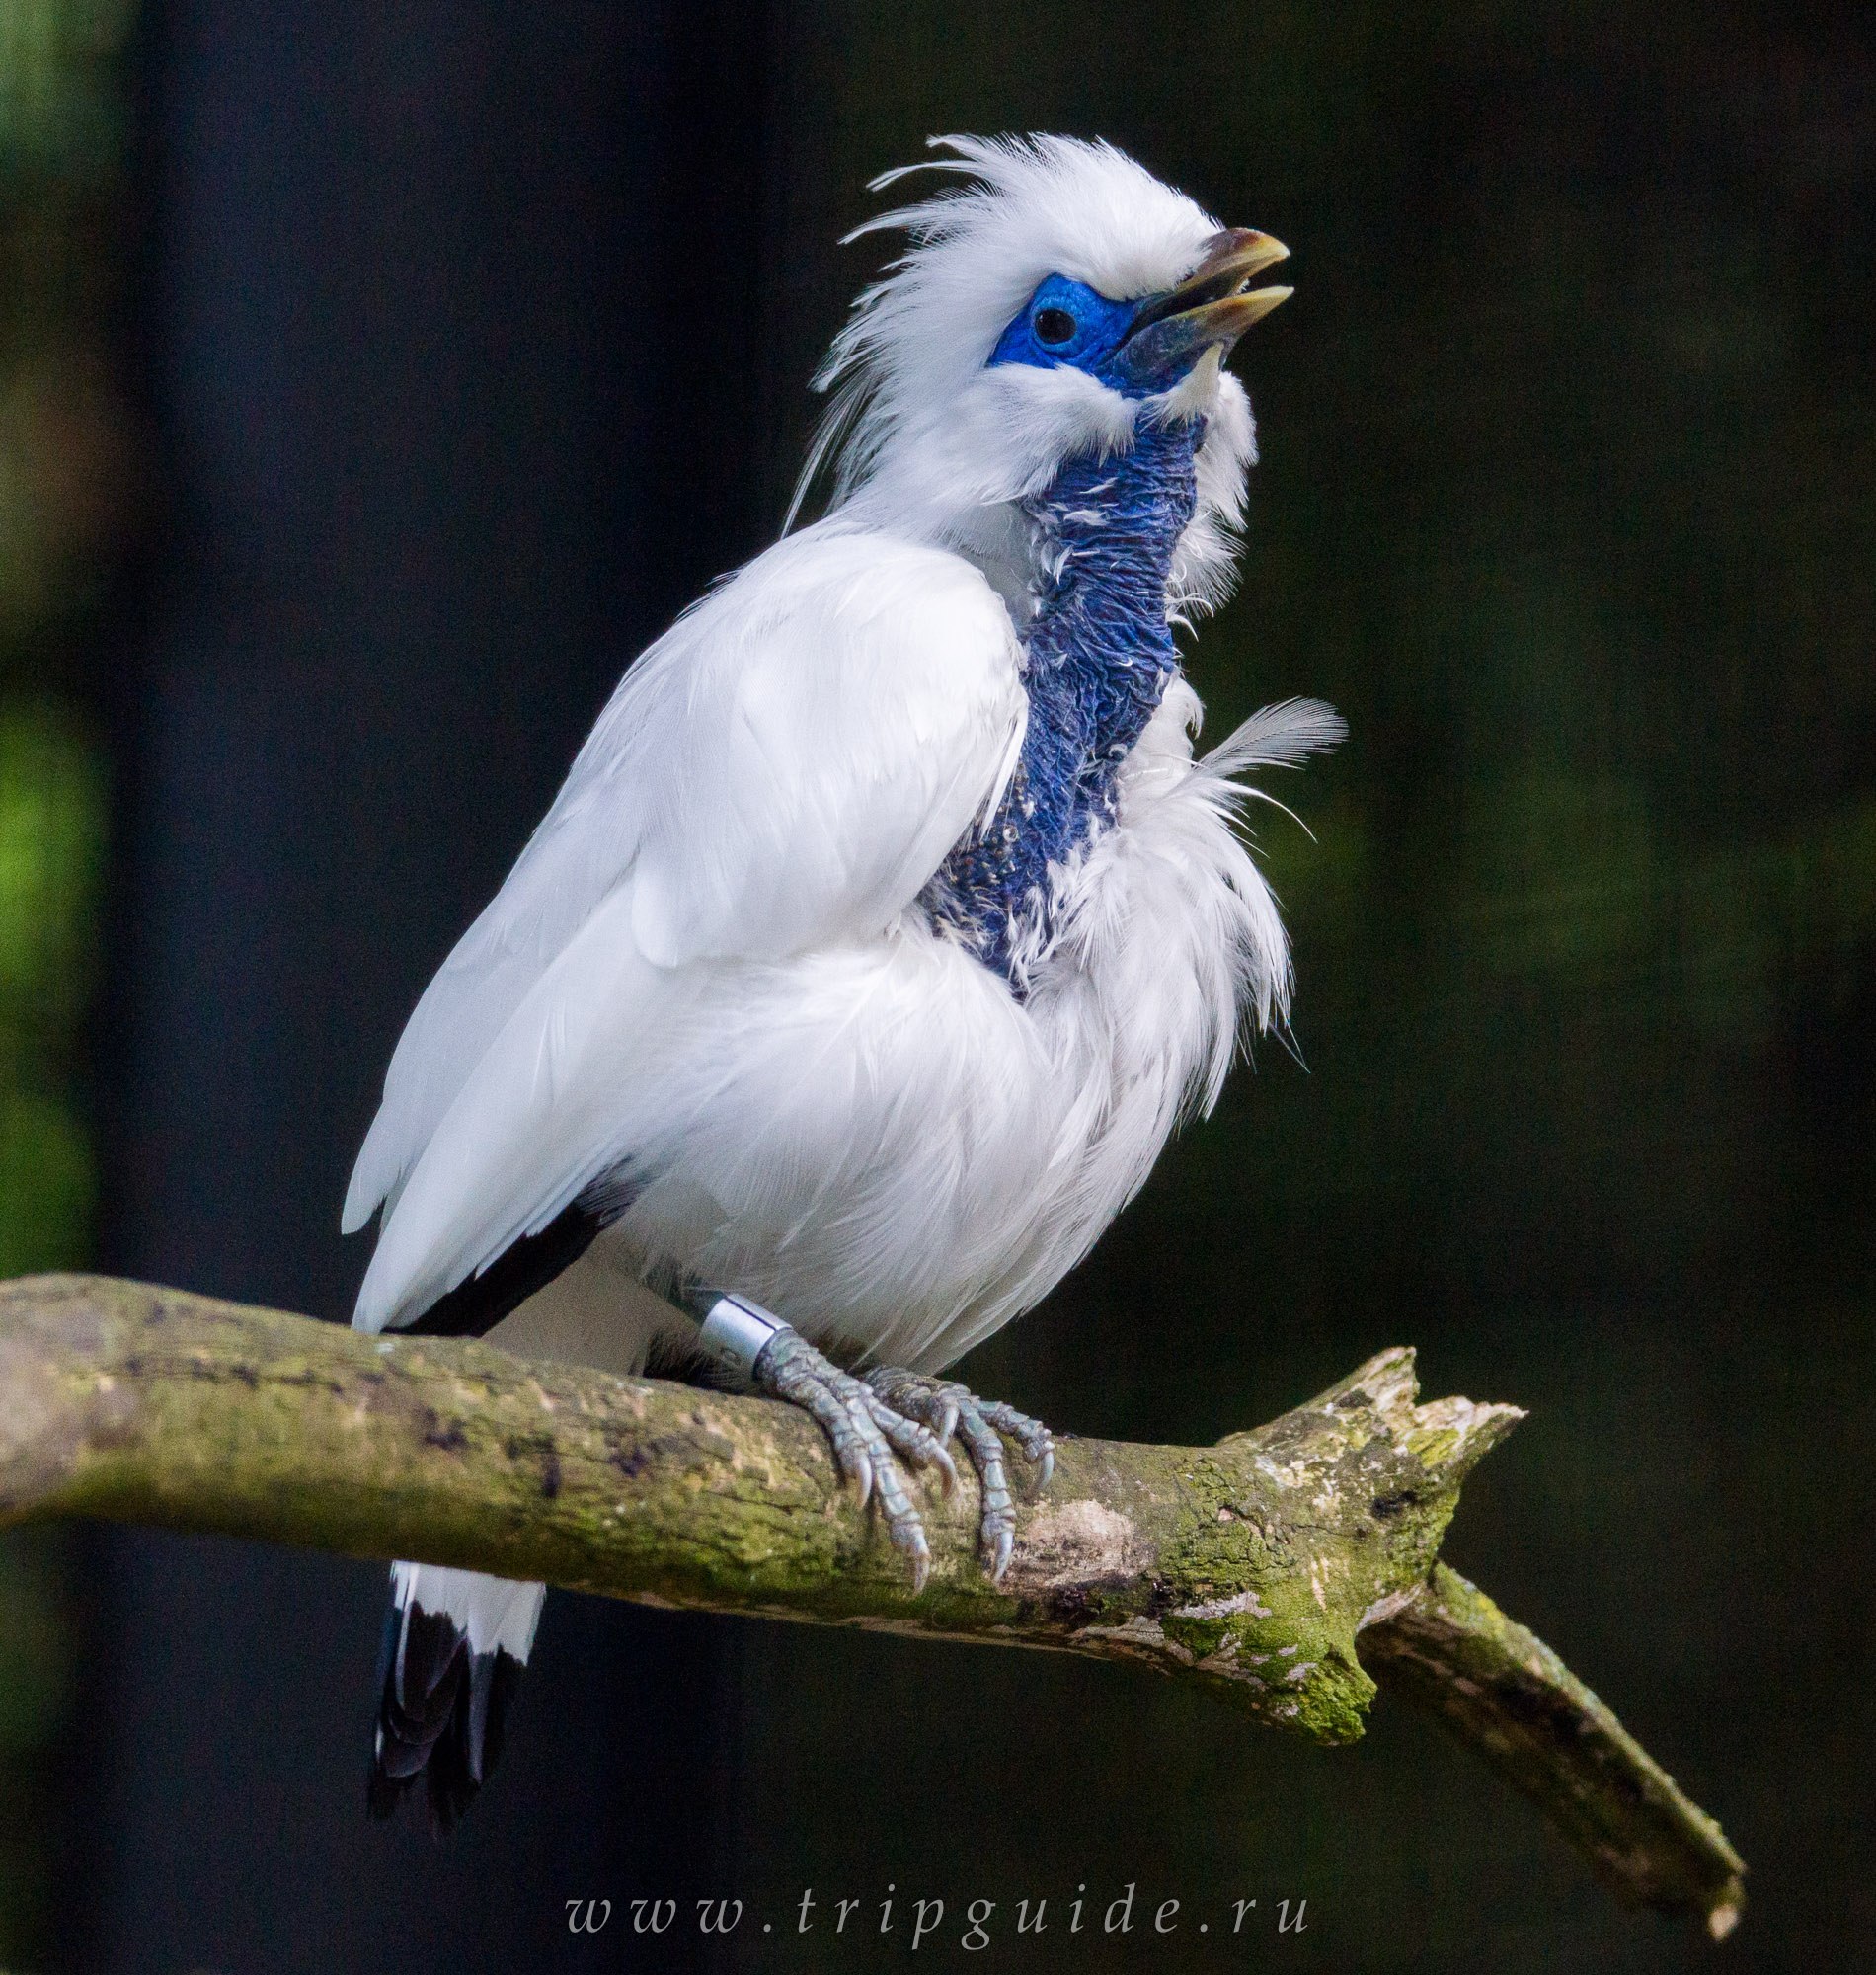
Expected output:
(709, 974)
(724, 997)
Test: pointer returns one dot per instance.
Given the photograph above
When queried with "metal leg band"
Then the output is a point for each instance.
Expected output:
(734, 1334)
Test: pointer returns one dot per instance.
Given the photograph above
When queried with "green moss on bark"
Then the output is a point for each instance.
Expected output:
(1252, 1568)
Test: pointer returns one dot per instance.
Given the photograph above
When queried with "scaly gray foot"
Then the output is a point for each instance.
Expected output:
(870, 1437)
(947, 1408)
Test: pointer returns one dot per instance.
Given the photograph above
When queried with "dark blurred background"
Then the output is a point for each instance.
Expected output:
(376, 380)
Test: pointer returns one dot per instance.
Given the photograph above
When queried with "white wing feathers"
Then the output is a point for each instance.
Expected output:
(784, 769)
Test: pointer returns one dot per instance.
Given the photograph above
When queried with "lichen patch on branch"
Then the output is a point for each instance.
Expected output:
(1250, 1567)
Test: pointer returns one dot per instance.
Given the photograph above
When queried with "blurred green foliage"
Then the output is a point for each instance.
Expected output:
(52, 809)
(61, 92)
(66, 471)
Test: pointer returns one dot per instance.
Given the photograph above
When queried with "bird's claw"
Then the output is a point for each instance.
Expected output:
(891, 1420)
(1030, 1435)
(950, 1409)
(872, 1443)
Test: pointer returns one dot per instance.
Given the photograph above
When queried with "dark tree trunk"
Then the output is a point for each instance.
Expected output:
(442, 363)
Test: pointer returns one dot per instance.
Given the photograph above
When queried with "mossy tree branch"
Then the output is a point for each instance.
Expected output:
(1267, 1568)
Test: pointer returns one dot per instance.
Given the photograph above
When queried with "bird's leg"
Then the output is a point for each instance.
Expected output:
(871, 1438)
(882, 1423)
(948, 1408)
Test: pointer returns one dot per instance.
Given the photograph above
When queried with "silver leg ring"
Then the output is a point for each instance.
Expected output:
(736, 1334)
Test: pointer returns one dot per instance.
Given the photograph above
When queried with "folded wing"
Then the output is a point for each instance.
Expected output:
(784, 769)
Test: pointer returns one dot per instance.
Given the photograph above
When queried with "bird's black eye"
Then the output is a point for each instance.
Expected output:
(1054, 324)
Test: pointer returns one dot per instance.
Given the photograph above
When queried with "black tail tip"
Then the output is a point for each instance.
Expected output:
(442, 1712)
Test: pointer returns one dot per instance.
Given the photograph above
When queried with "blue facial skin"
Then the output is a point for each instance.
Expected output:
(1099, 654)
(1067, 322)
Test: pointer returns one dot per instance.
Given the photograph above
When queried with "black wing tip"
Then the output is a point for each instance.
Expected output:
(442, 1715)
(524, 1269)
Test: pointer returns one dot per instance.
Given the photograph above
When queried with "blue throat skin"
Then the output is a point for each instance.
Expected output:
(1100, 657)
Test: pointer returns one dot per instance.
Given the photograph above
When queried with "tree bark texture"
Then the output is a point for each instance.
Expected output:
(1285, 1569)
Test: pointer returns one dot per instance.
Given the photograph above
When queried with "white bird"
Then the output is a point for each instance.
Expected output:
(887, 923)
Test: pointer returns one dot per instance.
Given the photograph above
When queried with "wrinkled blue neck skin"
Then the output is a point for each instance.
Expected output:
(1099, 653)
(1100, 658)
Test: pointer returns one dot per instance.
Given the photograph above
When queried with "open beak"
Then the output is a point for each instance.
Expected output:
(1211, 308)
